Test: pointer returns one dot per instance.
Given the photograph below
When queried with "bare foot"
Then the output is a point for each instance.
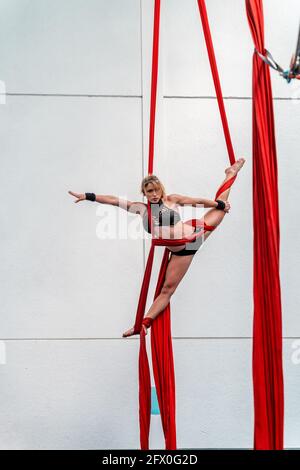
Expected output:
(235, 168)
(130, 332)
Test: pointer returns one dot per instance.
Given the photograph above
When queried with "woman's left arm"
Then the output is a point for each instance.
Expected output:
(191, 201)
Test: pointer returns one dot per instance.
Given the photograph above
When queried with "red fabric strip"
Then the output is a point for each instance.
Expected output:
(155, 50)
(267, 324)
(215, 75)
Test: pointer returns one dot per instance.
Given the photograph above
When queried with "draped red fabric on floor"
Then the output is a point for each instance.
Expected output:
(267, 326)
(161, 340)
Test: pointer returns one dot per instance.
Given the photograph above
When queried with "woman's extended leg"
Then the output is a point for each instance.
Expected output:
(215, 216)
(178, 265)
(176, 269)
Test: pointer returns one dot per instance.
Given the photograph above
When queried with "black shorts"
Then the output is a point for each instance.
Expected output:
(191, 247)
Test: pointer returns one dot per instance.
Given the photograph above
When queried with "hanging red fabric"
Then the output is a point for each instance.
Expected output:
(267, 325)
(161, 341)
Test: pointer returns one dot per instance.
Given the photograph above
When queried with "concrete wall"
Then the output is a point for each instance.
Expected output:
(75, 116)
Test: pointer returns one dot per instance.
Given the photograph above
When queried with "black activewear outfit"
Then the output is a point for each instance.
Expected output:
(164, 216)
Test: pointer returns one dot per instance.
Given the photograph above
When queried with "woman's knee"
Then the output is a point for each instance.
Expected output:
(168, 289)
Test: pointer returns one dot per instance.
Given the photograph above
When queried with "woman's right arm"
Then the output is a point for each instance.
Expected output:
(113, 200)
(133, 207)
(129, 206)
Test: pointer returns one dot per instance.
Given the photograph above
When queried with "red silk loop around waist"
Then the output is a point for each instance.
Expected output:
(181, 241)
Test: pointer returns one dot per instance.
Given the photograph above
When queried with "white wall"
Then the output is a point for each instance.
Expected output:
(76, 116)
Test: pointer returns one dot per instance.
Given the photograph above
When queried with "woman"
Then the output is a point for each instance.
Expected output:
(166, 223)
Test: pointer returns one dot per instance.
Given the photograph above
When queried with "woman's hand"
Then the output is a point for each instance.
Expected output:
(80, 197)
(227, 206)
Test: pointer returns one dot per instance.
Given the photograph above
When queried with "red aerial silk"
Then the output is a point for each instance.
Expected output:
(267, 326)
(161, 341)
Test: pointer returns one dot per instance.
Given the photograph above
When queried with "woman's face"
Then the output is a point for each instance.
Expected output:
(153, 192)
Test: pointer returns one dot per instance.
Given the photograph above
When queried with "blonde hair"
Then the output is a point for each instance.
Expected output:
(155, 180)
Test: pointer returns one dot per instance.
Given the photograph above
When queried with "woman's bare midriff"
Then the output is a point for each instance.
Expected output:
(178, 231)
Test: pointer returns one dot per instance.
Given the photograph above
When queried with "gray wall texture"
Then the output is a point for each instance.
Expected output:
(75, 116)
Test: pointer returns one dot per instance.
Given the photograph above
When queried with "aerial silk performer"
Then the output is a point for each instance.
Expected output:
(172, 268)
(181, 240)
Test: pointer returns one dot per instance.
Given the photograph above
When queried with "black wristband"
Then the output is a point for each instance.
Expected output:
(221, 204)
(90, 196)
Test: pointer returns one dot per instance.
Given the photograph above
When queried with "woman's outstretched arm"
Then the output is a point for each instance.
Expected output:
(112, 200)
(191, 201)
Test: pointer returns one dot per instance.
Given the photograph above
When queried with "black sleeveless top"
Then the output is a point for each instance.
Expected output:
(161, 215)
